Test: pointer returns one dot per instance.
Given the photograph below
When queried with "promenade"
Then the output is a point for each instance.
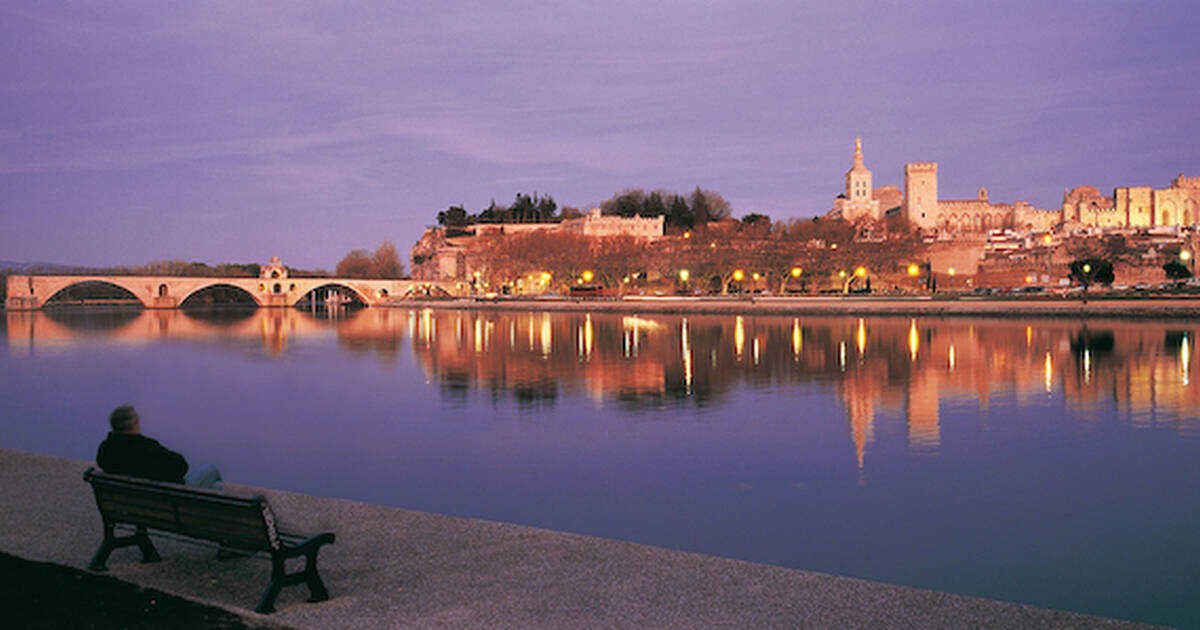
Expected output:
(962, 306)
(395, 568)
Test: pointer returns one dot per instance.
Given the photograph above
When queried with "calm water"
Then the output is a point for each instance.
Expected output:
(1042, 462)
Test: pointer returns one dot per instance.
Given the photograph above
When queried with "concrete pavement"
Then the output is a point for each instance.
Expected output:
(395, 568)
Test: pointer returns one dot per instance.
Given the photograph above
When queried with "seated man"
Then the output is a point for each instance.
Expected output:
(127, 452)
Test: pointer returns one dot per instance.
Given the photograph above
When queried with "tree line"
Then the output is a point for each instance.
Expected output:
(679, 211)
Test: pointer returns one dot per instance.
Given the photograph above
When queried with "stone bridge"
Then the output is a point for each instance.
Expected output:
(273, 288)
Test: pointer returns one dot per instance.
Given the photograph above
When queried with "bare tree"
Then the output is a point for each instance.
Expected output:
(385, 262)
(356, 264)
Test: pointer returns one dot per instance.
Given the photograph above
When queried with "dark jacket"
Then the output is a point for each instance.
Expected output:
(136, 455)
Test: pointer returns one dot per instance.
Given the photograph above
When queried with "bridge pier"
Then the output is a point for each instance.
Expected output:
(22, 303)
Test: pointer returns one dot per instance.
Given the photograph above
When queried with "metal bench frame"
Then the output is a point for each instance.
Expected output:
(240, 526)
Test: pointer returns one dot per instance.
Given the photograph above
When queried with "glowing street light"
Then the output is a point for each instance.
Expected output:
(1184, 255)
(796, 271)
(842, 273)
(861, 271)
(913, 270)
(684, 274)
(738, 275)
(588, 275)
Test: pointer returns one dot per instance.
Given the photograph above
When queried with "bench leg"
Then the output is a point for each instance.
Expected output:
(113, 542)
(316, 588)
(149, 553)
(266, 605)
(281, 578)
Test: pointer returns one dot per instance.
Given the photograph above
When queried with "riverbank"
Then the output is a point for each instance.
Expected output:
(959, 306)
(398, 568)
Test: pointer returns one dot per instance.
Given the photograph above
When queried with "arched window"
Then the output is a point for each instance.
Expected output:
(162, 290)
(277, 288)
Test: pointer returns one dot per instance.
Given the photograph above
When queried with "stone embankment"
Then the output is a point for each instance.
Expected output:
(1143, 308)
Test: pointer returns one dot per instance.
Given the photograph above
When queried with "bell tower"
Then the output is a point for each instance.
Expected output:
(858, 201)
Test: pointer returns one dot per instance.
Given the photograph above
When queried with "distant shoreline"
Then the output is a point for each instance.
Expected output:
(963, 306)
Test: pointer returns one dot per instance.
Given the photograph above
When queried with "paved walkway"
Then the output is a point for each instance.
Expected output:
(965, 306)
(393, 568)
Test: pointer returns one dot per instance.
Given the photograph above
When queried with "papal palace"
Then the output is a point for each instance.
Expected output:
(1082, 207)
(964, 233)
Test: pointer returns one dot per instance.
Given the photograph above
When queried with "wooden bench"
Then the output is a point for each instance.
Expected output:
(240, 526)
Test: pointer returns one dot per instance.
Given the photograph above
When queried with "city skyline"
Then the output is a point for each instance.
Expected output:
(230, 133)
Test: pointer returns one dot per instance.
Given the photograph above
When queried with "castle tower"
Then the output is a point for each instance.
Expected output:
(921, 194)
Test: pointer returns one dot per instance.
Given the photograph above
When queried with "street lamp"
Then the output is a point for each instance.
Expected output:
(684, 274)
(796, 271)
(588, 275)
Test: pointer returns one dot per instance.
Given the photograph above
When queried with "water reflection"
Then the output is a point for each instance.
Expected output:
(903, 367)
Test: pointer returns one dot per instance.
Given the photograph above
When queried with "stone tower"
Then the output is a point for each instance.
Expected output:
(859, 201)
(858, 178)
(921, 194)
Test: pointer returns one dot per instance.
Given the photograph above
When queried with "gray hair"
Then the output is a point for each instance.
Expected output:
(123, 419)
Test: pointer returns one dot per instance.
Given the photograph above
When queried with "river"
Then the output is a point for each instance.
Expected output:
(1051, 462)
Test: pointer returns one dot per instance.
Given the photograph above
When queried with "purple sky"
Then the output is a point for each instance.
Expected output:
(231, 132)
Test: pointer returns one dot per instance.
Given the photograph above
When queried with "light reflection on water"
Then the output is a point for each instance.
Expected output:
(1049, 462)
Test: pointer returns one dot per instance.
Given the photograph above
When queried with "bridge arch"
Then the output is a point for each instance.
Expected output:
(107, 289)
(313, 294)
(197, 296)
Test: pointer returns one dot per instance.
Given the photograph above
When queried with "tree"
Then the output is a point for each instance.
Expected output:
(1176, 270)
(494, 214)
(454, 216)
(532, 208)
(700, 210)
(614, 258)
(627, 203)
(356, 264)
(716, 206)
(679, 215)
(654, 206)
(1089, 271)
(755, 218)
(385, 263)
